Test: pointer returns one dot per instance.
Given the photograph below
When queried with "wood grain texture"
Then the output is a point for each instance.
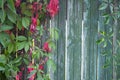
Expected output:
(93, 38)
(61, 41)
(77, 39)
(79, 57)
(85, 66)
(70, 38)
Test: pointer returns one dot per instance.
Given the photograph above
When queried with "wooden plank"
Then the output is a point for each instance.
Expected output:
(70, 37)
(109, 56)
(101, 72)
(85, 64)
(54, 23)
(104, 73)
(101, 58)
(93, 38)
(77, 30)
(115, 40)
(118, 51)
(61, 42)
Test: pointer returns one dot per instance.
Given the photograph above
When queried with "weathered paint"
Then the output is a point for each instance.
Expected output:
(70, 45)
(78, 56)
(85, 75)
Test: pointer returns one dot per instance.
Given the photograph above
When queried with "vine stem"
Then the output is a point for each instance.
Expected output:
(16, 41)
(33, 47)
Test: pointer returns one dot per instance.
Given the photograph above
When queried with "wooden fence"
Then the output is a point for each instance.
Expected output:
(78, 56)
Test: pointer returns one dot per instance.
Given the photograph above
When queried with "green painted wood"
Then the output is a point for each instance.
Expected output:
(61, 42)
(54, 23)
(104, 73)
(89, 52)
(77, 30)
(109, 50)
(118, 50)
(115, 25)
(85, 66)
(93, 38)
(100, 58)
(78, 56)
(70, 38)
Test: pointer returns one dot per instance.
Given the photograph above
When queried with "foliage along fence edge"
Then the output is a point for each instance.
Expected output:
(79, 57)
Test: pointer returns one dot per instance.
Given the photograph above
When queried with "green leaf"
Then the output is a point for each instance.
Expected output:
(2, 59)
(107, 20)
(26, 61)
(17, 60)
(25, 22)
(100, 41)
(20, 45)
(103, 33)
(11, 16)
(54, 33)
(11, 5)
(103, 6)
(47, 77)
(107, 63)
(52, 45)
(27, 46)
(104, 53)
(31, 73)
(28, 13)
(5, 27)
(4, 37)
(106, 66)
(106, 15)
(2, 15)
(12, 36)
(34, 54)
(31, 1)
(1, 3)
(10, 47)
(2, 68)
(38, 55)
(19, 24)
(51, 64)
(40, 29)
(21, 38)
(39, 77)
(23, 7)
(105, 44)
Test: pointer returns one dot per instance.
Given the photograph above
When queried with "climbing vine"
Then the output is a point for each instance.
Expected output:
(109, 39)
(26, 40)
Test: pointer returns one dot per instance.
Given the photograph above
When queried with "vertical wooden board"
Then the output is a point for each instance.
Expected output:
(101, 72)
(109, 50)
(54, 23)
(115, 27)
(100, 58)
(93, 38)
(104, 73)
(70, 39)
(77, 28)
(85, 66)
(109, 29)
(118, 50)
(61, 42)
(116, 44)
